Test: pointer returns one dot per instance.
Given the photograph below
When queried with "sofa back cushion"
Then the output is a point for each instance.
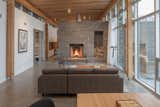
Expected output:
(54, 71)
(93, 71)
(81, 70)
(106, 70)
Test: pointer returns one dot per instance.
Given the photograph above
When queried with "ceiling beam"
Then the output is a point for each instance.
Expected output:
(107, 9)
(33, 8)
(50, 2)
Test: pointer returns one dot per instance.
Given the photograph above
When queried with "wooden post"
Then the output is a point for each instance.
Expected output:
(108, 44)
(46, 42)
(10, 39)
(129, 40)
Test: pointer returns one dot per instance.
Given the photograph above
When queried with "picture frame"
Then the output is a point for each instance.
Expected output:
(22, 41)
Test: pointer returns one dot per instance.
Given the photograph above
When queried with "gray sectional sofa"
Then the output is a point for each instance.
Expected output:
(73, 81)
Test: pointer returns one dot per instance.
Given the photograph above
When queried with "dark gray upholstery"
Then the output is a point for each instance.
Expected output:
(80, 71)
(43, 103)
(94, 83)
(109, 70)
(73, 81)
(56, 83)
(54, 71)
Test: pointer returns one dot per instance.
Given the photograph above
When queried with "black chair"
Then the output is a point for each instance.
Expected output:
(43, 103)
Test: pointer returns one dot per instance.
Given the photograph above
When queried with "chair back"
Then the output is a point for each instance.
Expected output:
(43, 103)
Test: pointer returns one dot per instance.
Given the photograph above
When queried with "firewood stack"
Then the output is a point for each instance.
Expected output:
(99, 52)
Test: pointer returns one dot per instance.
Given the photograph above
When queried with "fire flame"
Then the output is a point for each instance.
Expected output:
(76, 53)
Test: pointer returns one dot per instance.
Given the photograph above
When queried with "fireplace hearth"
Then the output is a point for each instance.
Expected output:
(76, 51)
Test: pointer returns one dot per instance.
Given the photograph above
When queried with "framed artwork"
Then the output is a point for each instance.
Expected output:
(22, 41)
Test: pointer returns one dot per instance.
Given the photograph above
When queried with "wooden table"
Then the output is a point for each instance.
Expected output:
(109, 99)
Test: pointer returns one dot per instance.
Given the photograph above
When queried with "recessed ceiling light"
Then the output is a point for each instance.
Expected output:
(69, 11)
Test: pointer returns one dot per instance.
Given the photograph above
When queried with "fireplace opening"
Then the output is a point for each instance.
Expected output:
(76, 50)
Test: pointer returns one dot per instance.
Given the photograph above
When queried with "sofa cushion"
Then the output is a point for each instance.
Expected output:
(93, 71)
(109, 70)
(80, 71)
(54, 71)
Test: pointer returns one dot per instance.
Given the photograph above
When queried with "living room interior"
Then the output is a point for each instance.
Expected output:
(79, 53)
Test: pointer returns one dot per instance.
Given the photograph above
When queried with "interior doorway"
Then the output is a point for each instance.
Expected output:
(39, 52)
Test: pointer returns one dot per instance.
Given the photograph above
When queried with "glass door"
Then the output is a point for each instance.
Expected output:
(113, 42)
(146, 51)
(147, 43)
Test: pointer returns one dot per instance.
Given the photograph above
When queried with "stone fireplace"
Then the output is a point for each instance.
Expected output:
(76, 51)
(77, 40)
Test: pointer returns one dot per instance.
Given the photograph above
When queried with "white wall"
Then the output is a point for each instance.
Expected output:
(24, 61)
(3, 12)
(52, 33)
(52, 36)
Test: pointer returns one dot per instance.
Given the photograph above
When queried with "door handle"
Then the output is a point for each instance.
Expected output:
(157, 68)
(113, 50)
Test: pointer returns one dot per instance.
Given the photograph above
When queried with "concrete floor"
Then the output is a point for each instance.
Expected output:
(22, 90)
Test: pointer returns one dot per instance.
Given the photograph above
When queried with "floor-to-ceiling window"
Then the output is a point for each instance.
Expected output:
(121, 32)
(146, 50)
(113, 37)
(117, 17)
(146, 26)
(146, 18)
(157, 2)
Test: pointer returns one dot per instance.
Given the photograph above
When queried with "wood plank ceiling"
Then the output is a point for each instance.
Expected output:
(58, 9)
